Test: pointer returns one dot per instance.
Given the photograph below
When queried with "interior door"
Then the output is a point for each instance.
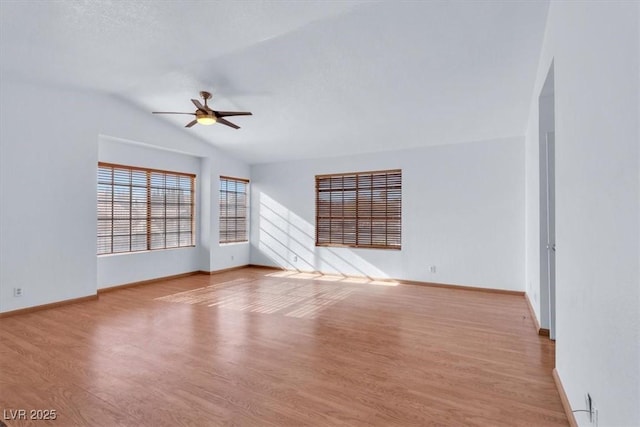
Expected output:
(551, 231)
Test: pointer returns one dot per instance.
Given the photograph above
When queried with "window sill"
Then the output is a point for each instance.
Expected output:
(233, 243)
(391, 248)
(144, 251)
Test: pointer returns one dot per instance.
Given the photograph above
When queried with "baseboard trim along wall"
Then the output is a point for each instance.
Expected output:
(403, 282)
(533, 313)
(147, 282)
(175, 276)
(224, 270)
(564, 400)
(47, 306)
(460, 287)
(541, 331)
(267, 267)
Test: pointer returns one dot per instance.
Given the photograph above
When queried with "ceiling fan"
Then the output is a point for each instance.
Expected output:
(207, 116)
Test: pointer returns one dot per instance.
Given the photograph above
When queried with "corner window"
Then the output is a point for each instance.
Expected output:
(144, 209)
(233, 209)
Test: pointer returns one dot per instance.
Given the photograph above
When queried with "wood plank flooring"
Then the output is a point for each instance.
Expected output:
(257, 347)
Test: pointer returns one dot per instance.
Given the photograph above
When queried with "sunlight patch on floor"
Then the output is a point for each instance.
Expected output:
(287, 298)
(334, 278)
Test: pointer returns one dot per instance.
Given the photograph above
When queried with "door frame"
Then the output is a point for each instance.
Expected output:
(546, 132)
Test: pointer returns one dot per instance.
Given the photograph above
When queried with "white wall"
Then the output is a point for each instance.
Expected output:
(595, 49)
(117, 269)
(48, 194)
(463, 211)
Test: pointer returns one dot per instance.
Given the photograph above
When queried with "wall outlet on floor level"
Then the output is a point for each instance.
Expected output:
(432, 269)
(17, 292)
(232, 257)
(295, 258)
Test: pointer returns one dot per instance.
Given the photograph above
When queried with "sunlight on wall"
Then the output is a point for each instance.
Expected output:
(284, 236)
(289, 242)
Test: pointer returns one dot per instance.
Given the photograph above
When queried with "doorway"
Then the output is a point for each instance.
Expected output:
(546, 110)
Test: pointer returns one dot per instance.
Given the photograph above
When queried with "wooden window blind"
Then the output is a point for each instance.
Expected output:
(233, 209)
(143, 209)
(360, 209)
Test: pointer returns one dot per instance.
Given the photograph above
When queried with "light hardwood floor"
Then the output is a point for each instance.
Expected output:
(256, 347)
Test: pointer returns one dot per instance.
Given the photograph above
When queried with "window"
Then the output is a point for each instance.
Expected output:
(233, 209)
(361, 210)
(143, 209)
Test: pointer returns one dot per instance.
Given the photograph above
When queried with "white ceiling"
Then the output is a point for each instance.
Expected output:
(321, 77)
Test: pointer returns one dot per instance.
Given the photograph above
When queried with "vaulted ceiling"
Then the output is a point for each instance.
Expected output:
(321, 77)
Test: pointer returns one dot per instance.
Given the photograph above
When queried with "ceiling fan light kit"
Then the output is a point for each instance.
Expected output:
(206, 116)
(205, 119)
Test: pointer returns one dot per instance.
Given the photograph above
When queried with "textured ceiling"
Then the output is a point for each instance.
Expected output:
(321, 77)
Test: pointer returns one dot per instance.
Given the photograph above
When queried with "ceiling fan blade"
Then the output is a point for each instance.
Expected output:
(227, 122)
(232, 113)
(171, 112)
(199, 105)
(191, 123)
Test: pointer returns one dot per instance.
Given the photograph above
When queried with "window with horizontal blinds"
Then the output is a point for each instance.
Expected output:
(143, 209)
(233, 209)
(359, 209)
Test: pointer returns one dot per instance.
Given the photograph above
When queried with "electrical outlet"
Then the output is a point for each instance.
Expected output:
(432, 269)
(295, 258)
(17, 292)
(232, 257)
